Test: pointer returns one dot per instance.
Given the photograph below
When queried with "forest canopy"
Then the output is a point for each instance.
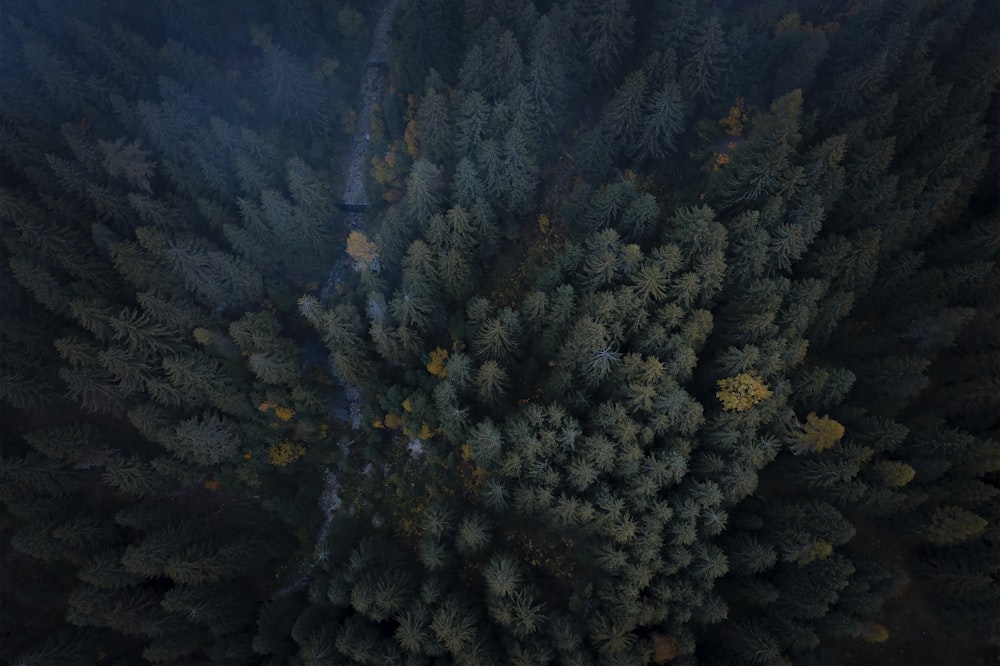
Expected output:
(499, 332)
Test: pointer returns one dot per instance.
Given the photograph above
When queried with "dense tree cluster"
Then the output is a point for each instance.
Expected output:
(671, 338)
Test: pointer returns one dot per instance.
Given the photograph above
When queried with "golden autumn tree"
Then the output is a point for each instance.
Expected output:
(742, 392)
(894, 474)
(436, 366)
(361, 250)
(736, 119)
(815, 435)
(875, 633)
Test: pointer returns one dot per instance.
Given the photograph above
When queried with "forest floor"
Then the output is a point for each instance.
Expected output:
(916, 633)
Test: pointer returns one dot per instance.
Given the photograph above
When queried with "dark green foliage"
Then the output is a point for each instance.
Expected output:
(67, 647)
(505, 429)
(295, 93)
(607, 30)
(433, 125)
(706, 61)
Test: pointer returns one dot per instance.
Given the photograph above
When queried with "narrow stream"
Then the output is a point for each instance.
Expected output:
(372, 90)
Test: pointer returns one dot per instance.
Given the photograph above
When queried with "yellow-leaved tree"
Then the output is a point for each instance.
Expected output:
(742, 392)
(361, 250)
(815, 435)
(437, 363)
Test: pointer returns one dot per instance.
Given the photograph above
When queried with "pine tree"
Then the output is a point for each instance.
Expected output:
(472, 535)
(472, 127)
(707, 61)
(623, 115)
(202, 563)
(423, 198)
(66, 647)
(206, 440)
(748, 555)
(607, 31)
(765, 168)
(215, 276)
(612, 637)
(662, 124)
(411, 632)
(453, 626)
(519, 172)
(37, 541)
(952, 524)
(147, 557)
(503, 65)
(42, 285)
(128, 161)
(497, 337)
(433, 125)
(105, 570)
(295, 93)
(640, 218)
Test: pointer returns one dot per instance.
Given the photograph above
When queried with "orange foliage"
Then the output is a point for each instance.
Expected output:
(360, 249)
(411, 138)
(739, 115)
(283, 413)
(384, 169)
(212, 484)
(436, 365)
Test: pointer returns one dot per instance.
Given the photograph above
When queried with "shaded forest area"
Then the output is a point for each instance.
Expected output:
(671, 335)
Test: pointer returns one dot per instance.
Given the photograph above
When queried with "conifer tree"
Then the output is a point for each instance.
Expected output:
(707, 60)
(433, 125)
(662, 124)
(422, 190)
(607, 31)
